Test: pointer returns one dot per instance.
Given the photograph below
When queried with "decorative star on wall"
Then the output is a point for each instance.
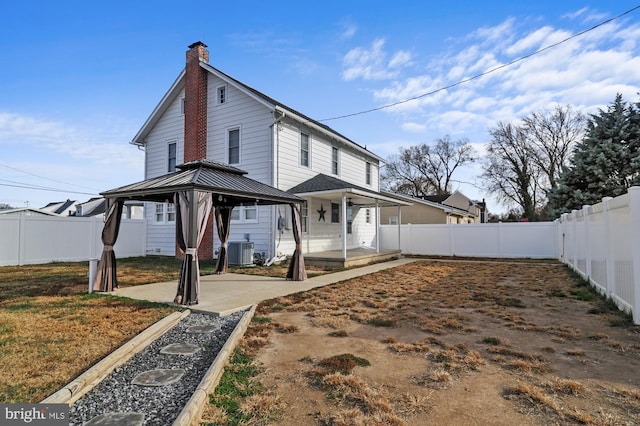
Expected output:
(321, 212)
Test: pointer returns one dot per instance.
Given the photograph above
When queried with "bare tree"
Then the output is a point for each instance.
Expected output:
(427, 169)
(510, 171)
(552, 136)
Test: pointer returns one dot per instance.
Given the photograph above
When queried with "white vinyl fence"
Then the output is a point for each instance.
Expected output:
(28, 239)
(602, 243)
(508, 240)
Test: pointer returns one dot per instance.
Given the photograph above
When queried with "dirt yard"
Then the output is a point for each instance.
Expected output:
(447, 342)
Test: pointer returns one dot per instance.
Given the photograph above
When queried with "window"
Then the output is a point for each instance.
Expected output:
(304, 150)
(222, 94)
(165, 212)
(234, 146)
(242, 214)
(368, 173)
(335, 213)
(367, 215)
(304, 218)
(159, 212)
(349, 220)
(334, 160)
(171, 163)
(393, 220)
(250, 213)
(171, 212)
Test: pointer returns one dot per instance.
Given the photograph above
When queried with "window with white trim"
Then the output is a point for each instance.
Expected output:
(349, 220)
(304, 218)
(334, 160)
(304, 150)
(233, 137)
(159, 215)
(164, 213)
(368, 173)
(244, 214)
(335, 213)
(171, 157)
(367, 215)
(221, 94)
(393, 220)
(171, 212)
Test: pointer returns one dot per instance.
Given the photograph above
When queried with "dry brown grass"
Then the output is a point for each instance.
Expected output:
(51, 330)
(46, 341)
(436, 312)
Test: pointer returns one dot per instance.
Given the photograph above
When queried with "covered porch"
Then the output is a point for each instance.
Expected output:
(354, 257)
(342, 226)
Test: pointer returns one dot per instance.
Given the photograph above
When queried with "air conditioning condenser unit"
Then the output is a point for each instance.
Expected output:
(241, 253)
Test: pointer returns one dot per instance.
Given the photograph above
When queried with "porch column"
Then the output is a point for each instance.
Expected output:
(377, 227)
(399, 228)
(344, 225)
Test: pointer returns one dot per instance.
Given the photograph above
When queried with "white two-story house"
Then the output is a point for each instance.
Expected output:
(209, 114)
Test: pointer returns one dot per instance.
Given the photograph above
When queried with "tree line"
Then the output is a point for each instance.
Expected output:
(547, 163)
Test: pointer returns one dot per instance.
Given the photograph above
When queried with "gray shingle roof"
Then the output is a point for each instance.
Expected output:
(321, 182)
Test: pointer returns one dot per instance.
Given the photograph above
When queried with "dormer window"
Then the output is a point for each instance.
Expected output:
(222, 94)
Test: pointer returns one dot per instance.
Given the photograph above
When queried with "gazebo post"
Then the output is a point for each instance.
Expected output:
(192, 241)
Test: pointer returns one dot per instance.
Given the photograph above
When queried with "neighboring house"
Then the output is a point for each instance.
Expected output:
(434, 209)
(97, 206)
(208, 114)
(28, 212)
(62, 208)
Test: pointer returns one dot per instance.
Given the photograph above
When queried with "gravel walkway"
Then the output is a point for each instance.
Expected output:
(159, 404)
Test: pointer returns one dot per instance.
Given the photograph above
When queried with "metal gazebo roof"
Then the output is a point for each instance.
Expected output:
(229, 185)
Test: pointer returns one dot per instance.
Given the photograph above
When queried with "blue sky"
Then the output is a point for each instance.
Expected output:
(80, 78)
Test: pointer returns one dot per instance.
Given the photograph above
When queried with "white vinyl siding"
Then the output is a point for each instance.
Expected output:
(170, 127)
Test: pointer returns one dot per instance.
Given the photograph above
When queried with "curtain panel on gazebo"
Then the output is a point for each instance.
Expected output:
(296, 271)
(223, 224)
(106, 279)
(192, 212)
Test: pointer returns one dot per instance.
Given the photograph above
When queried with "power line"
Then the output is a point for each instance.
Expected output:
(43, 188)
(46, 178)
(466, 80)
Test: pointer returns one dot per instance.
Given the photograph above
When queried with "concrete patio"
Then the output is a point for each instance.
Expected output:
(223, 294)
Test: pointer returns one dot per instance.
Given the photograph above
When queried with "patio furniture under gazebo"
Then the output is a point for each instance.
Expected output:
(196, 188)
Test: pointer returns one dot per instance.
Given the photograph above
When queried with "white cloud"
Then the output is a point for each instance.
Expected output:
(75, 158)
(414, 127)
(586, 72)
(348, 30)
(372, 64)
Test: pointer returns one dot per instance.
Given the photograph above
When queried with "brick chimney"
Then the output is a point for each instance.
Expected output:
(195, 103)
(195, 123)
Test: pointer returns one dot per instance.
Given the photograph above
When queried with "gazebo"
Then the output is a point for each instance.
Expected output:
(196, 188)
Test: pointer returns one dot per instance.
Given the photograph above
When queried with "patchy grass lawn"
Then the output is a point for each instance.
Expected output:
(51, 330)
(439, 342)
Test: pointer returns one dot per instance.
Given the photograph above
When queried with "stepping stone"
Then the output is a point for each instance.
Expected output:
(180, 349)
(159, 377)
(203, 329)
(117, 419)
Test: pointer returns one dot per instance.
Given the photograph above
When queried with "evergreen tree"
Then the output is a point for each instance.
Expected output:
(605, 163)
